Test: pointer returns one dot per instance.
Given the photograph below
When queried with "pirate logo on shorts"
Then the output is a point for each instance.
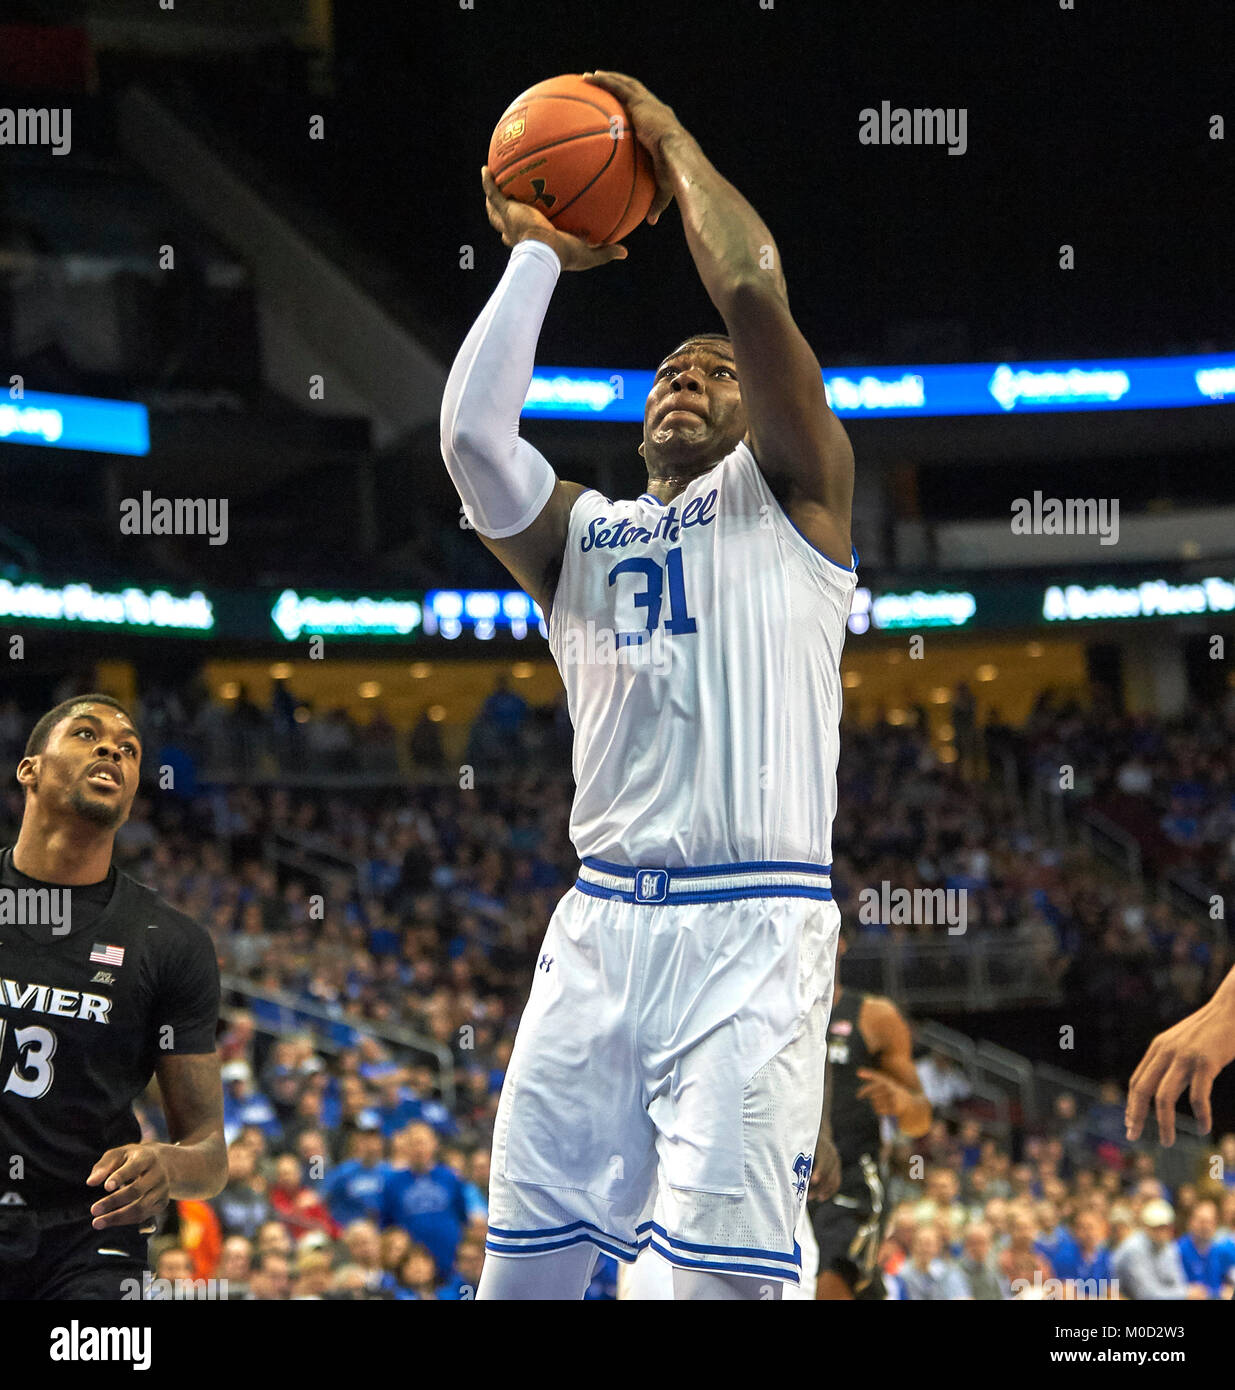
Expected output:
(801, 1173)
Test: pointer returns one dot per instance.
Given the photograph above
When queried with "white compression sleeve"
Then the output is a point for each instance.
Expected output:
(503, 482)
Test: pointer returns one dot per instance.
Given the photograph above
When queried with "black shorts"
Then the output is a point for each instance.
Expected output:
(70, 1260)
(849, 1230)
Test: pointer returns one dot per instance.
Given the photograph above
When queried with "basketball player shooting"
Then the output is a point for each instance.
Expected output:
(103, 985)
(666, 1085)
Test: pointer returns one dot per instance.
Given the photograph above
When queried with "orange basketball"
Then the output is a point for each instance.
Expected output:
(569, 149)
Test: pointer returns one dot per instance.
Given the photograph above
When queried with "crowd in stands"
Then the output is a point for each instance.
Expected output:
(1102, 944)
(1078, 1214)
(203, 737)
(351, 1176)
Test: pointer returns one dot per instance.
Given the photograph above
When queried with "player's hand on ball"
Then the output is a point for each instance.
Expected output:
(520, 222)
(137, 1184)
(652, 120)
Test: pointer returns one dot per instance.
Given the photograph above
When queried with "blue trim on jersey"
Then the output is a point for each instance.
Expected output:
(647, 497)
(715, 895)
(794, 1259)
(789, 1276)
(774, 866)
(849, 569)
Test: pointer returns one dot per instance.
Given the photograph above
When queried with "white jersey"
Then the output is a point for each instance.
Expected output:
(700, 644)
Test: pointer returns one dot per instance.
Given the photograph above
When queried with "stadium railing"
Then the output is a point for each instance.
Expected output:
(971, 972)
(279, 1013)
(1025, 1092)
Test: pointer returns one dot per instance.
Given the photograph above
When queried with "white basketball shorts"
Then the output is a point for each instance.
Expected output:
(666, 1084)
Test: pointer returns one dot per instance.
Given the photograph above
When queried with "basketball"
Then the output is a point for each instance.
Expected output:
(569, 149)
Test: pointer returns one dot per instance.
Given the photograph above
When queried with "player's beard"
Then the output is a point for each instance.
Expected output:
(100, 812)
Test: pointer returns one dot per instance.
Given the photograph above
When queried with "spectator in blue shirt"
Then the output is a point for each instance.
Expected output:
(971, 1144)
(427, 1199)
(1208, 1262)
(504, 710)
(927, 1276)
(397, 1106)
(1089, 1258)
(462, 1281)
(354, 1189)
(1054, 1242)
(244, 1106)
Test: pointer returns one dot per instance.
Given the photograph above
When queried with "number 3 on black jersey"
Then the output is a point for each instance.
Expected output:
(38, 1045)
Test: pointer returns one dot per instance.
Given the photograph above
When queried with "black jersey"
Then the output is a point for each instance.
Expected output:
(855, 1126)
(84, 1017)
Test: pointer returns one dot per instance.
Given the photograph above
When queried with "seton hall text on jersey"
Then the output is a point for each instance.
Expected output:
(64, 1003)
(699, 511)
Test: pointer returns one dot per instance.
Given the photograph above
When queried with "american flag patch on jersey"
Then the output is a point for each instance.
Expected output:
(108, 955)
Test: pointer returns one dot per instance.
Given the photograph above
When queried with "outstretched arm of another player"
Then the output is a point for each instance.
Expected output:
(801, 447)
(140, 1179)
(1187, 1056)
(510, 494)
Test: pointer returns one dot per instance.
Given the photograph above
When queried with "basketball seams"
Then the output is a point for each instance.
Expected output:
(552, 145)
(630, 198)
(560, 96)
(606, 116)
(603, 168)
(612, 155)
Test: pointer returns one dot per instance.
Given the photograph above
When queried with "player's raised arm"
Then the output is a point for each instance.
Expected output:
(510, 494)
(796, 439)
